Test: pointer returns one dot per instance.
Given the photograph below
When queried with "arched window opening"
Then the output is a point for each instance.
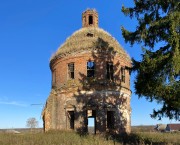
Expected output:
(71, 70)
(90, 69)
(109, 69)
(90, 20)
(123, 74)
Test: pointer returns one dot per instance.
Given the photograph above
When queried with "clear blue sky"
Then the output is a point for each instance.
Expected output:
(30, 32)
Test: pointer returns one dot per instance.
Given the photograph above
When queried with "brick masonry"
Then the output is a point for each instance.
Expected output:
(70, 100)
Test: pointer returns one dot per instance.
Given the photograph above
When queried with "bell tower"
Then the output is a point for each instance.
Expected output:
(90, 18)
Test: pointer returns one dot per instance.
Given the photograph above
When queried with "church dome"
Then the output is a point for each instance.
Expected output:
(90, 37)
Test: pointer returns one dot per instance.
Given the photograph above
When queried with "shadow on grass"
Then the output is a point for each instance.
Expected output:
(133, 139)
(120, 139)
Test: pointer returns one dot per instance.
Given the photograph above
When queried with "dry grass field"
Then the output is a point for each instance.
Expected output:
(139, 136)
(52, 138)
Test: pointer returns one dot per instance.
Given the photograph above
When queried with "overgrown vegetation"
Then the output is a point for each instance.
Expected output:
(72, 138)
(52, 138)
(79, 41)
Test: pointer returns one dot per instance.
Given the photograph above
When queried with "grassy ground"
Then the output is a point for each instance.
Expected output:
(52, 138)
(72, 138)
(151, 138)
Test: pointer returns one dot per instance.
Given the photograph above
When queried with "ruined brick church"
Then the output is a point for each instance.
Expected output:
(90, 79)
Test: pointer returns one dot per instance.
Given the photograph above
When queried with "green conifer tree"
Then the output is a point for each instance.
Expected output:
(158, 72)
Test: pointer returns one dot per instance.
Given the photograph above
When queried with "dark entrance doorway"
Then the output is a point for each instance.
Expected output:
(71, 119)
(110, 119)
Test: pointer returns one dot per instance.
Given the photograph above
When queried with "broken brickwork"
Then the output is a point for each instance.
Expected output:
(90, 79)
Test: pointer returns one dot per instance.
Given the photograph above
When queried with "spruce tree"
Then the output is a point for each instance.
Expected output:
(158, 71)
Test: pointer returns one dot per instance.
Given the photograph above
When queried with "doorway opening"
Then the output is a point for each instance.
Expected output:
(110, 119)
(91, 119)
(71, 119)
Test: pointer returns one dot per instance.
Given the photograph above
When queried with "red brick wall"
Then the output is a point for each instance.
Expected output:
(80, 67)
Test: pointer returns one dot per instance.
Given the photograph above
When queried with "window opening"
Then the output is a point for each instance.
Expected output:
(90, 68)
(71, 70)
(54, 77)
(90, 20)
(89, 35)
(110, 119)
(71, 119)
(109, 69)
(123, 74)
